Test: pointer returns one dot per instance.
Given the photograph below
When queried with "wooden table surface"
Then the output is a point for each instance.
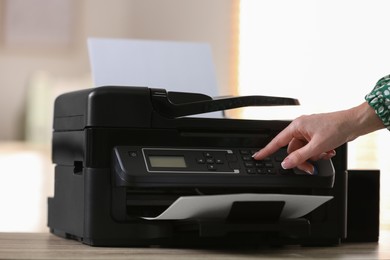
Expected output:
(48, 246)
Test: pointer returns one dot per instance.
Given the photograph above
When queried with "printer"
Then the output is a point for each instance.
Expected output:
(124, 155)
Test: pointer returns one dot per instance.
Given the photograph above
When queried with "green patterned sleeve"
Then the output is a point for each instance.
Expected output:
(379, 99)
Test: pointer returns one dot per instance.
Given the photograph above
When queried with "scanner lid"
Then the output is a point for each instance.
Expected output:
(120, 106)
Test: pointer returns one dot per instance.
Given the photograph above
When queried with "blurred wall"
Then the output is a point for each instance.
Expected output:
(182, 20)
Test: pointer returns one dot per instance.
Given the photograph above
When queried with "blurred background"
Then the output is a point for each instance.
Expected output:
(328, 54)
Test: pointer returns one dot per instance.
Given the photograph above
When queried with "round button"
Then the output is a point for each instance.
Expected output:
(133, 154)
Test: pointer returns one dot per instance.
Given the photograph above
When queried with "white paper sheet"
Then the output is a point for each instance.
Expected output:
(174, 66)
(218, 206)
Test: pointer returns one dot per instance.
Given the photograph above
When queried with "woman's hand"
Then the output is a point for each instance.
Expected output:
(316, 136)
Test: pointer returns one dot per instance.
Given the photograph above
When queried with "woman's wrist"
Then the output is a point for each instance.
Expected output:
(363, 120)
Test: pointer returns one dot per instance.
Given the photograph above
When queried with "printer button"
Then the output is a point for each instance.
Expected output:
(247, 158)
(211, 167)
(249, 164)
(133, 154)
(200, 161)
(269, 165)
(261, 171)
(271, 171)
(251, 170)
(210, 160)
(259, 164)
(219, 161)
(207, 154)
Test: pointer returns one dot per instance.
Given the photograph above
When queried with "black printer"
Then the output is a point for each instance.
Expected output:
(124, 155)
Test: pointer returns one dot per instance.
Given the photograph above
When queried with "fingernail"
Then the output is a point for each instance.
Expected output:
(311, 171)
(286, 164)
(254, 155)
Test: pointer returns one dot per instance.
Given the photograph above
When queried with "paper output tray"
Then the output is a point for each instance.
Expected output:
(253, 207)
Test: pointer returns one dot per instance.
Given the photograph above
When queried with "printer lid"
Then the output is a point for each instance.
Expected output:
(120, 106)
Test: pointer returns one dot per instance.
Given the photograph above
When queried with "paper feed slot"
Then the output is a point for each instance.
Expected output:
(267, 207)
(178, 104)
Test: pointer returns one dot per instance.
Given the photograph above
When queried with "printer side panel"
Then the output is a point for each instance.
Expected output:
(329, 221)
(66, 208)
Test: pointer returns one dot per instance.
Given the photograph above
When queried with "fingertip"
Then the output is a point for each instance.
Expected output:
(328, 155)
(298, 157)
(331, 154)
(261, 153)
(287, 164)
(308, 168)
(258, 155)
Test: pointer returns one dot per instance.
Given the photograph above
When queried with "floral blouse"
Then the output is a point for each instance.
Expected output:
(379, 99)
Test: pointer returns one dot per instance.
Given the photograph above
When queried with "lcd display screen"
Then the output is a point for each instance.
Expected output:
(167, 161)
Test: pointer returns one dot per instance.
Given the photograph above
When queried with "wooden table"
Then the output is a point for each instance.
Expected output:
(48, 246)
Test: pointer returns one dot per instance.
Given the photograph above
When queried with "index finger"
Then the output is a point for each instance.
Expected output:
(279, 141)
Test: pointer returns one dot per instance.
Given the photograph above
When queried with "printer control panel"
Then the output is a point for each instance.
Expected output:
(157, 160)
(160, 160)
